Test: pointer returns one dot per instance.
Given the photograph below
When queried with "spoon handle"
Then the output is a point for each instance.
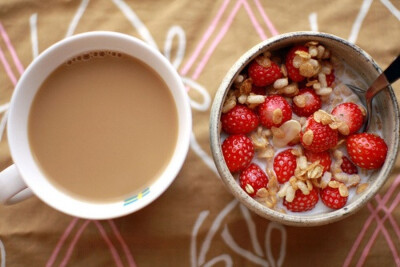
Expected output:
(392, 73)
(389, 76)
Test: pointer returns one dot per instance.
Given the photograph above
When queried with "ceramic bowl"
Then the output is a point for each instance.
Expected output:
(385, 104)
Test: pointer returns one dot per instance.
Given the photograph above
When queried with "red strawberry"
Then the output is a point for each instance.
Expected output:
(323, 157)
(312, 102)
(348, 166)
(284, 165)
(351, 114)
(330, 78)
(271, 104)
(262, 76)
(239, 120)
(252, 179)
(293, 72)
(323, 137)
(302, 202)
(238, 152)
(332, 198)
(367, 150)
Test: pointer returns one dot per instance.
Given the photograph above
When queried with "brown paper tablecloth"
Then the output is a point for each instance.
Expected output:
(196, 222)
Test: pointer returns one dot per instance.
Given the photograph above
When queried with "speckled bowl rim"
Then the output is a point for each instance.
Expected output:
(231, 183)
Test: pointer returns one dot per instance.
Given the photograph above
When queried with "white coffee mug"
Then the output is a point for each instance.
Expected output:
(18, 181)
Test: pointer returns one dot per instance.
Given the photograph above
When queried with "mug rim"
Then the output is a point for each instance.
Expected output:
(229, 180)
(18, 119)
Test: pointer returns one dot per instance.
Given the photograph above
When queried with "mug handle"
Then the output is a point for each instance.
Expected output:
(12, 188)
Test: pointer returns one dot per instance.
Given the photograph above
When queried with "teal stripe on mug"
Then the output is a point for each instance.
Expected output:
(134, 198)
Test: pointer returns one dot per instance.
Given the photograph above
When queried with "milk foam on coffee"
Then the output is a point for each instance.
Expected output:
(103, 126)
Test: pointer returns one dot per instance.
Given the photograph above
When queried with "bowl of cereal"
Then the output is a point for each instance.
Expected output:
(286, 132)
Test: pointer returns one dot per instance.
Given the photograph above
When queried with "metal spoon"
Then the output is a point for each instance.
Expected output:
(389, 76)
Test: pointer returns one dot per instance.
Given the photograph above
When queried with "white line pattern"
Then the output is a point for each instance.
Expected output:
(34, 37)
(180, 53)
(391, 8)
(359, 20)
(243, 252)
(252, 230)
(193, 244)
(268, 244)
(4, 107)
(221, 258)
(202, 91)
(81, 9)
(202, 154)
(2, 255)
(136, 22)
(312, 18)
(213, 229)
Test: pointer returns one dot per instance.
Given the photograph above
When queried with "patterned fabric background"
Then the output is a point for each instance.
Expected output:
(196, 222)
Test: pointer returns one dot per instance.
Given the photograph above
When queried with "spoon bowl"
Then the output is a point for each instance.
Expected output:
(387, 77)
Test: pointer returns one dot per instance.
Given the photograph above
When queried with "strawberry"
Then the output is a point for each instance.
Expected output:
(330, 78)
(312, 102)
(348, 166)
(323, 157)
(274, 111)
(302, 202)
(332, 198)
(322, 136)
(351, 114)
(252, 179)
(293, 72)
(367, 150)
(239, 120)
(284, 165)
(263, 76)
(238, 152)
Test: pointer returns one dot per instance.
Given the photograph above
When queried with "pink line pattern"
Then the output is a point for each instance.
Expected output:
(391, 219)
(123, 244)
(68, 232)
(214, 44)
(3, 59)
(253, 20)
(206, 36)
(379, 227)
(73, 243)
(113, 251)
(213, 26)
(60, 243)
(11, 49)
(266, 19)
(222, 33)
(7, 68)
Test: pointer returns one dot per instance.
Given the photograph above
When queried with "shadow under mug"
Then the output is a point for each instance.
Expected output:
(18, 181)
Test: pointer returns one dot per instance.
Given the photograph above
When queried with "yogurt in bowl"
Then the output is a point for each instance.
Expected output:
(294, 158)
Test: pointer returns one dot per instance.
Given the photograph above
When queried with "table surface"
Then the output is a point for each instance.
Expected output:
(196, 222)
